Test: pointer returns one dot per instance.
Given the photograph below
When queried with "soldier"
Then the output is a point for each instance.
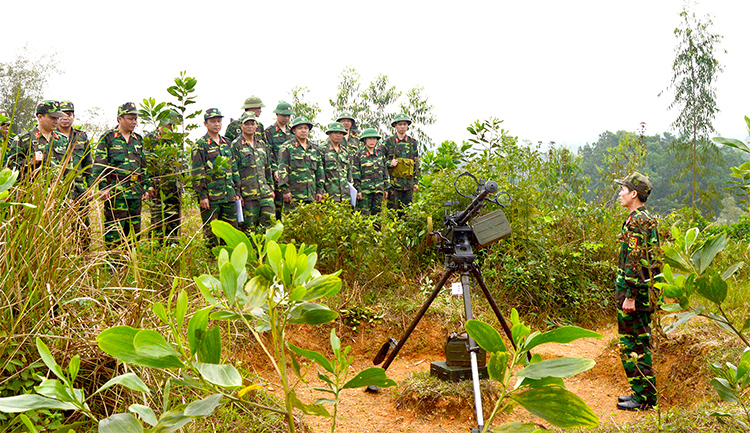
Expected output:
(300, 167)
(402, 154)
(82, 161)
(336, 164)
(351, 141)
(215, 173)
(165, 169)
(32, 148)
(252, 104)
(120, 166)
(256, 177)
(276, 135)
(638, 240)
(370, 174)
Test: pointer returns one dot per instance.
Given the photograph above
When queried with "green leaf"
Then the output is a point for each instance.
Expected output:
(690, 237)
(335, 343)
(257, 292)
(732, 142)
(681, 318)
(22, 403)
(265, 272)
(151, 344)
(228, 278)
(197, 327)
(547, 381)
(204, 407)
(731, 270)
(703, 258)
(557, 406)
(181, 310)
(128, 380)
(161, 313)
(724, 389)
(273, 254)
(120, 423)
(297, 293)
(171, 421)
(313, 356)
(230, 235)
(239, 258)
(667, 272)
(27, 423)
(562, 335)
(321, 287)
(49, 360)
(497, 366)
(315, 314)
(274, 233)
(517, 427)
(145, 412)
(558, 367)
(712, 287)
(208, 287)
(54, 389)
(486, 336)
(209, 347)
(73, 367)
(308, 409)
(290, 257)
(371, 376)
(223, 375)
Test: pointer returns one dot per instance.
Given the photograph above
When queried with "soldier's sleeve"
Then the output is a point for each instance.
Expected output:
(417, 163)
(356, 173)
(386, 176)
(632, 263)
(283, 164)
(320, 176)
(231, 131)
(267, 170)
(235, 175)
(101, 156)
(199, 172)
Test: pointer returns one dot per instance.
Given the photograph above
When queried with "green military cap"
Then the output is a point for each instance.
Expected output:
(248, 115)
(50, 107)
(127, 108)
(369, 133)
(211, 113)
(637, 182)
(400, 117)
(284, 108)
(300, 120)
(253, 102)
(336, 127)
(343, 116)
(172, 118)
(66, 106)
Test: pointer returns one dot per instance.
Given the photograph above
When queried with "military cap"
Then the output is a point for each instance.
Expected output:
(300, 120)
(211, 113)
(400, 117)
(369, 133)
(127, 108)
(66, 106)
(50, 107)
(346, 116)
(637, 182)
(336, 127)
(248, 115)
(284, 108)
(253, 102)
(172, 118)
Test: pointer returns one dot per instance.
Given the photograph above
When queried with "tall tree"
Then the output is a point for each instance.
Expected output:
(695, 70)
(22, 85)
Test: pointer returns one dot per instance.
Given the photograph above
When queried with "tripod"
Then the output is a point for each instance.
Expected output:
(459, 257)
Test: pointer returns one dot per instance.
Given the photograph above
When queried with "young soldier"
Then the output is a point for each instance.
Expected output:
(276, 135)
(256, 178)
(216, 180)
(120, 165)
(352, 143)
(31, 148)
(336, 164)
(252, 104)
(370, 174)
(402, 154)
(300, 168)
(166, 209)
(638, 240)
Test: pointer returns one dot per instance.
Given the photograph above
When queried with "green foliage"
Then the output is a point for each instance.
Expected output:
(447, 156)
(23, 82)
(741, 173)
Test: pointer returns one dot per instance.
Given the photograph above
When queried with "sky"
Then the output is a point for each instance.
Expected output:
(552, 70)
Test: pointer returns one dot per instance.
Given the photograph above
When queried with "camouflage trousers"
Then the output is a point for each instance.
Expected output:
(370, 203)
(165, 217)
(635, 352)
(399, 199)
(257, 213)
(278, 202)
(218, 210)
(122, 217)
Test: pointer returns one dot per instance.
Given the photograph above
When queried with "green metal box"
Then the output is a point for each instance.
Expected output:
(491, 227)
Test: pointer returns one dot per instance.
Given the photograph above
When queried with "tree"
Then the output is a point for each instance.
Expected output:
(22, 85)
(695, 69)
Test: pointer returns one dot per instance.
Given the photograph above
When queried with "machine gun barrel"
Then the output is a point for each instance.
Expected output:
(477, 203)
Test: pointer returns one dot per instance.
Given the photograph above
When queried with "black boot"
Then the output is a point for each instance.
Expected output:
(633, 405)
(624, 398)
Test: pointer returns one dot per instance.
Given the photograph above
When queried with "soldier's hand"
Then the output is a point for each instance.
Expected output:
(287, 197)
(628, 305)
(276, 175)
(385, 194)
(318, 197)
(38, 157)
(416, 188)
(205, 204)
(394, 162)
(359, 196)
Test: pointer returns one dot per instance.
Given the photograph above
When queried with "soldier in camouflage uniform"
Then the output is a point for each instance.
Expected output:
(351, 142)
(216, 180)
(370, 174)
(300, 167)
(120, 166)
(402, 154)
(42, 145)
(252, 104)
(166, 208)
(336, 164)
(638, 240)
(81, 160)
(276, 135)
(256, 176)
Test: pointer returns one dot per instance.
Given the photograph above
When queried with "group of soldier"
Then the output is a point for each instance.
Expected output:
(247, 177)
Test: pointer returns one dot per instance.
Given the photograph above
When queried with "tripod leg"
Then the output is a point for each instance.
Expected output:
(473, 347)
(416, 320)
(478, 276)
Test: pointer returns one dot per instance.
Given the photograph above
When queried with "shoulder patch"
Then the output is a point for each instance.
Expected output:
(633, 242)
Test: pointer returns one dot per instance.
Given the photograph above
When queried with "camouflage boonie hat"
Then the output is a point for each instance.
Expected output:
(400, 117)
(369, 133)
(211, 113)
(336, 127)
(67, 106)
(300, 120)
(253, 102)
(172, 118)
(637, 182)
(127, 108)
(50, 107)
(347, 116)
(248, 115)
(284, 108)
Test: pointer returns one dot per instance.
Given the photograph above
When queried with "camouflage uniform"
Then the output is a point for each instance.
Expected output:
(402, 188)
(25, 144)
(337, 171)
(81, 160)
(121, 166)
(371, 179)
(256, 180)
(639, 236)
(300, 172)
(234, 130)
(352, 145)
(275, 139)
(220, 187)
(166, 208)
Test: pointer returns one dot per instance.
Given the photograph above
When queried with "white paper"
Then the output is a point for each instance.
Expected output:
(353, 195)
(240, 216)
(457, 289)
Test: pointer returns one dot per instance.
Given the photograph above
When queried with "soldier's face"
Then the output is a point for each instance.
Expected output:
(347, 123)
(401, 127)
(370, 142)
(283, 119)
(301, 132)
(127, 122)
(336, 137)
(47, 122)
(627, 196)
(257, 111)
(249, 127)
(67, 120)
(213, 125)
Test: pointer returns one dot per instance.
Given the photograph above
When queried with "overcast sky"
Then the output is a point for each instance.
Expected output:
(561, 71)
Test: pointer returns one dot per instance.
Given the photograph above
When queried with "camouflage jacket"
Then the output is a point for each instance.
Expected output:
(369, 172)
(121, 165)
(81, 159)
(337, 171)
(275, 138)
(300, 171)
(166, 163)
(25, 144)
(638, 239)
(352, 145)
(406, 148)
(216, 182)
(234, 130)
(254, 168)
